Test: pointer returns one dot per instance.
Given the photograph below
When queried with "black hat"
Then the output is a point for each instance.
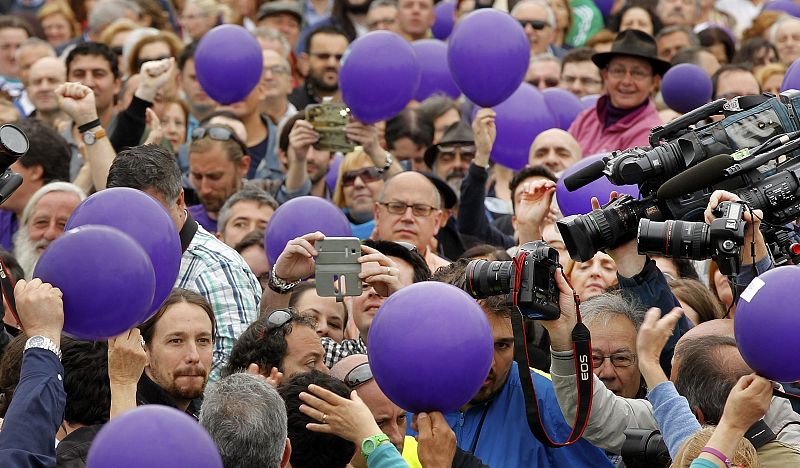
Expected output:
(633, 43)
(281, 6)
(458, 133)
(449, 197)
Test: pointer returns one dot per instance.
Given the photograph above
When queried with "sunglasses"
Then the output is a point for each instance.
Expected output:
(358, 375)
(278, 318)
(218, 134)
(549, 82)
(367, 174)
(535, 24)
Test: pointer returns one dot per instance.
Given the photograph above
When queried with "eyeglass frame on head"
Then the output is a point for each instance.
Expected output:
(210, 130)
(352, 381)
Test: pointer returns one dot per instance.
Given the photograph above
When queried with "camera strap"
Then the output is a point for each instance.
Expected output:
(7, 287)
(584, 375)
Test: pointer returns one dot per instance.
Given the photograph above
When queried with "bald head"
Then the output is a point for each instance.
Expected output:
(416, 225)
(555, 149)
(44, 76)
(715, 328)
(404, 180)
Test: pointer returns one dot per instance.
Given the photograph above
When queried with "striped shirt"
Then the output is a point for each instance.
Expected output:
(221, 276)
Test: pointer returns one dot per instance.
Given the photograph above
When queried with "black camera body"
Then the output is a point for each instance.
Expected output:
(721, 240)
(530, 276)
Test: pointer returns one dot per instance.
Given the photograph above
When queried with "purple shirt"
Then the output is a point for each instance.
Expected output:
(8, 227)
(200, 215)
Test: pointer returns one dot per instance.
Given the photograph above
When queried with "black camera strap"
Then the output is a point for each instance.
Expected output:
(7, 287)
(584, 375)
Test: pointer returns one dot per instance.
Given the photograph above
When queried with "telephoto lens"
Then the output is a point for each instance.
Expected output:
(485, 278)
(676, 239)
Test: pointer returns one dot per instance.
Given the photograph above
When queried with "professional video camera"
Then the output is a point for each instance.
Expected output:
(751, 152)
(527, 281)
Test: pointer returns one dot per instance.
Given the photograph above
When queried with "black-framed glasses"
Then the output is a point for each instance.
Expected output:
(277, 69)
(548, 81)
(358, 375)
(535, 24)
(219, 134)
(417, 209)
(367, 174)
(623, 359)
(325, 56)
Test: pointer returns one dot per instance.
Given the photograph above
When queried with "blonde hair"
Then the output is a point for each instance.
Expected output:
(175, 47)
(354, 160)
(768, 70)
(745, 455)
(119, 26)
(63, 9)
(218, 10)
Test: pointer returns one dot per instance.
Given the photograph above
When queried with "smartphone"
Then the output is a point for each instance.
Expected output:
(329, 119)
(337, 267)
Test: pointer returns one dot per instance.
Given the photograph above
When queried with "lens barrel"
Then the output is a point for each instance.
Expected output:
(485, 278)
(676, 239)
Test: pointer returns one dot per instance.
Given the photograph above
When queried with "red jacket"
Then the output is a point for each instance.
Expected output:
(632, 130)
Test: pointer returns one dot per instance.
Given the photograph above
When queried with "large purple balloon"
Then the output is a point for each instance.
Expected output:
(380, 74)
(686, 87)
(580, 201)
(488, 53)
(604, 6)
(519, 121)
(435, 77)
(228, 63)
(140, 216)
(300, 216)
(791, 80)
(590, 100)
(155, 436)
(783, 6)
(563, 105)
(441, 333)
(445, 12)
(766, 325)
(106, 278)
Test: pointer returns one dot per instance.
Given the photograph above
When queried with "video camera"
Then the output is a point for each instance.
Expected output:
(751, 152)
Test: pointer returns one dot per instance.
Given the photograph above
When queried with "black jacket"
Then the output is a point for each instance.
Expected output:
(74, 448)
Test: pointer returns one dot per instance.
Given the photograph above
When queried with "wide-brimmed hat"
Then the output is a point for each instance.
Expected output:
(458, 133)
(633, 43)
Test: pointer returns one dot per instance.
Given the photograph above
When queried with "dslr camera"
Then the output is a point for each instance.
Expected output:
(527, 281)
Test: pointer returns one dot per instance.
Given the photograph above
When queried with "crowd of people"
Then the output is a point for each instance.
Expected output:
(108, 95)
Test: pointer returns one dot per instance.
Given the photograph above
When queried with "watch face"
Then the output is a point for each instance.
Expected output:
(89, 138)
(37, 341)
(369, 446)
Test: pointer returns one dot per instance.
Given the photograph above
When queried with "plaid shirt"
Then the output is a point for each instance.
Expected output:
(335, 352)
(222, 277)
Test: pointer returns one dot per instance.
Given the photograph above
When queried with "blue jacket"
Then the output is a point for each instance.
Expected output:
(505, 440)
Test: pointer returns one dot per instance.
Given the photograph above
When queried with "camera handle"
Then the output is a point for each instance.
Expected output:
(584, 374)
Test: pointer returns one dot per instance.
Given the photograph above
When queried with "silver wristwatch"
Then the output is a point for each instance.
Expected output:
(388, 165)
(43, 342)
(279, 285)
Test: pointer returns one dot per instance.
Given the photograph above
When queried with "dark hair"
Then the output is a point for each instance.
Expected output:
(86, 381)
(526, 173)
(688, 55)
(421, 270)
(254, 238)
(10, 368)
(313, 449)
(581, 54)
(94, 48)
(748, 50)
(14, 268)
(286, 128)
(147, 167)
(615, 21)
(186, 54)
(330, 30)
(486, 250)
(47, 149)
(436, 106)
(178, 296)
(703, 378)
(697, 296)
(712, 35)
(260, 345)
(15, 22)
(407, 124)
(731, 67)
(311, 286)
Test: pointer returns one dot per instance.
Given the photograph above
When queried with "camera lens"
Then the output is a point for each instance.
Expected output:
(581, 236)
(13, 140)
(485, 278)
(676, 239)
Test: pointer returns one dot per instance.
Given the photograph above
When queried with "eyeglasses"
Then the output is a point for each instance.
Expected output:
(325, 57)
(549, 81)
(380, 22)
(447, 153)
(417, 209)
(618, 73)
(142, 61)
(617, 359)
(535, 24)
(358, 375)
(367, 174)
(219, 134)
(278, 318)
(584, 80)
(277, 70)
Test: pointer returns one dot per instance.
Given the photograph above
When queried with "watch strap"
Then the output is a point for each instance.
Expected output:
(278, 284)
(89, 125)
(388, 165)
(371, 443)
(42, 342)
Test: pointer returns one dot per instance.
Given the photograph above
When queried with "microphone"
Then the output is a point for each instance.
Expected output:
(585, 175)
(695, 178)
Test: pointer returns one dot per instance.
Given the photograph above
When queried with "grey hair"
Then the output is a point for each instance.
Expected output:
(773, 30)
(551, 17)
(602, 308)
(106, 12)
(271, 34)
(44, 190)
(539, 58)
(33, 42)
(246, 417)
(382, 3)
(250, 193)
(694, 41)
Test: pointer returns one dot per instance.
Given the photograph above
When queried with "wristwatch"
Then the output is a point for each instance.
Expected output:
(371, 443)
(43, 342)
(90, 137)
(388, 165)
(279, 285)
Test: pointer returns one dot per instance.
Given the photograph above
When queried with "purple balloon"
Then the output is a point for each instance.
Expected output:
(333, 172)
(604, 6)
(228, 63)
(791, 80)
(300, 216)
(580, 201)
(435, 77)
(144, 219)
(106, 278)
(520, 119)
(380, 74)
(686, 87)
(441, 333)
(488, 54)
(155, 436)
(590, 100)
(767, 328)
(783, 6)
(445, 18)
(563, 105)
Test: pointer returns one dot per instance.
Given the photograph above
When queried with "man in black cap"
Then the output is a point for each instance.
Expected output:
(624, 115)
(285, 16)
(450, 158)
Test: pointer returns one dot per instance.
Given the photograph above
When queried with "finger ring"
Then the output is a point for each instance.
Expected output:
(324, 418)
(388, 270)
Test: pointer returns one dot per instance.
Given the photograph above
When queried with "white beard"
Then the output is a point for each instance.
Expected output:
(25, 250)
